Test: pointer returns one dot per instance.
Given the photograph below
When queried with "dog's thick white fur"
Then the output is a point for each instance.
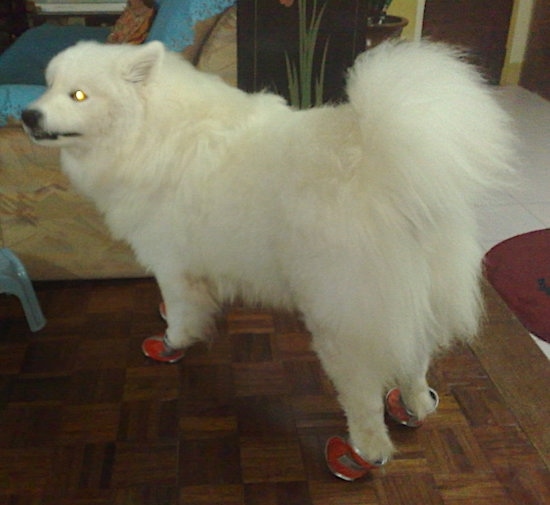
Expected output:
(361, 216)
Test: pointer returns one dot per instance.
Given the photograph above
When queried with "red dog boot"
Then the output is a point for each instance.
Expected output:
(344, 461)
(159, 349)
(398, 411)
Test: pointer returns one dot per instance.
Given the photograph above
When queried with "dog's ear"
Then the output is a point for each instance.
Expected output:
(143, 62)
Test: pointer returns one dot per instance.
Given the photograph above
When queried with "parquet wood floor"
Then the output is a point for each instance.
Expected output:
(85, 419)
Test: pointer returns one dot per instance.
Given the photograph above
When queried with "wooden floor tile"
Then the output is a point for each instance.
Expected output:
(411, 489)
(271, 459)
(141, 463)
(211, 461)
(222, 494)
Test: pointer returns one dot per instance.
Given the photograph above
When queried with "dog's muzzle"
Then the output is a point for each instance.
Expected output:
(33, 120)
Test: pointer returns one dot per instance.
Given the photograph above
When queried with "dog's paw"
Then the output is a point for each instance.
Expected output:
(375, 447)
(345, 461)
(412, 411)
(158, 349)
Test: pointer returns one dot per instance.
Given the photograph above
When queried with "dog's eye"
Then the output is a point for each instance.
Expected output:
(79, 95)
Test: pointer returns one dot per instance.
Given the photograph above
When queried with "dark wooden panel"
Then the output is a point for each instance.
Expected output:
(479, 26)
(535, 74)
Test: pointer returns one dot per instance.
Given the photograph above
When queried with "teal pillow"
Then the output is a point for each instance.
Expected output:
(25, 61)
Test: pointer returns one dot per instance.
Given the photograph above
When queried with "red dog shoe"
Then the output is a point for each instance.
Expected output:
(159, 349)
(344, 461)
(398, 411)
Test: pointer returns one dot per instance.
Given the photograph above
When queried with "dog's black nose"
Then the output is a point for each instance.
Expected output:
(31, 118)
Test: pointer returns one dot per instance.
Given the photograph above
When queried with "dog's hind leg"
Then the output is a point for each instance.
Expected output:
(189, 309)
(412, 400)
(361, 397)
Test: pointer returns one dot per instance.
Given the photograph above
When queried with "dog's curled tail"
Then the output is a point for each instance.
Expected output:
(429, 119)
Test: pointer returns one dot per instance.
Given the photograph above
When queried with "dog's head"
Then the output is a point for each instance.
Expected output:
(93, 90)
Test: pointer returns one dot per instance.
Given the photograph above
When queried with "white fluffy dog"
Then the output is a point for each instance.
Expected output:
(361, 215)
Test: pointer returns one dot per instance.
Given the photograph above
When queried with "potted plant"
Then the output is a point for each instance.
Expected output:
(380, 25)
(376, 11)
(306, 78)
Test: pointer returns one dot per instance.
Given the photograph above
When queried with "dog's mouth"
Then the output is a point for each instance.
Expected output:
(47, 135)
(33, 121)
(38, 134)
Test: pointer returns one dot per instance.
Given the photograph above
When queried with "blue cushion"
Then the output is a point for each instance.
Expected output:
(14, 98)
(26, 59)
(175, 20)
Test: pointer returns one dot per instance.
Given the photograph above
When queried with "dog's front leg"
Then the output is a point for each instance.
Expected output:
(189, 307)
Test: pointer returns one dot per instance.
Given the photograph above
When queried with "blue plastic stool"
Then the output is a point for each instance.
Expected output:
(15, 281)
